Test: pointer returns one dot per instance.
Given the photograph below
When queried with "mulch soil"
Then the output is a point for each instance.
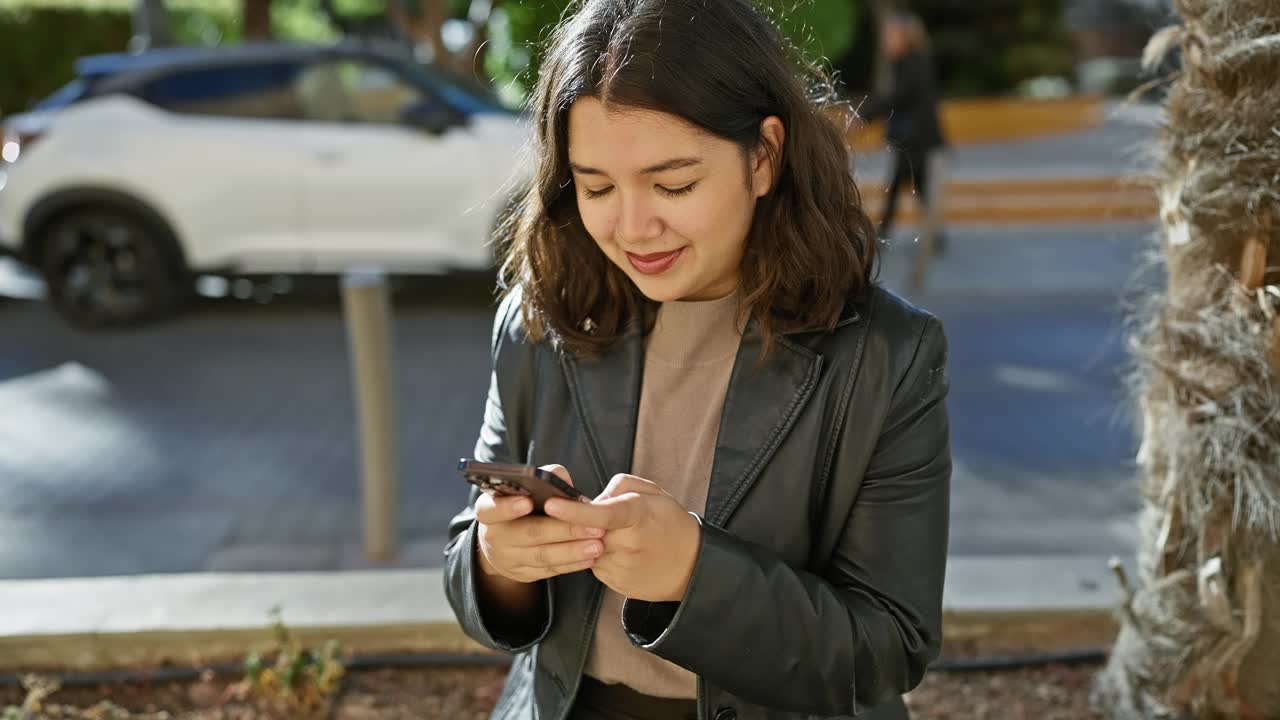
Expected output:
(1054, 692)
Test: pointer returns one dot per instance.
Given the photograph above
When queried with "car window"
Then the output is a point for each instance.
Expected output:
(249, 90)
(354, 91)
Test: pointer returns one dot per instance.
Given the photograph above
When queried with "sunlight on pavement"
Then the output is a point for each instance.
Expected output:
(1028, 378)
(17, 282)
(58, 423)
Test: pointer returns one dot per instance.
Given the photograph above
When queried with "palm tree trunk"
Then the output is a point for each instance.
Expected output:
(256, 19)
(150, 26)
(1200, 635)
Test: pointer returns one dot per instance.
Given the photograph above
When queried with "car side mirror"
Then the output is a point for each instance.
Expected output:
(432, 116)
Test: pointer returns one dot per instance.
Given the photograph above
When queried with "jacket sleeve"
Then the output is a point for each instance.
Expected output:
(866, 629)
(512, 374)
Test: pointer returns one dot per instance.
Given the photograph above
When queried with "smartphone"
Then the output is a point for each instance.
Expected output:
(503, 479)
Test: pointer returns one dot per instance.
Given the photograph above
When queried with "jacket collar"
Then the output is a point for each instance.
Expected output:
(762, 403)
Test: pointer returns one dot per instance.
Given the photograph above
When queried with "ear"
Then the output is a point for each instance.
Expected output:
(766, 164)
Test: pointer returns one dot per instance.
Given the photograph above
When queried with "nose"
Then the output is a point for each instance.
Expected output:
(636, 222)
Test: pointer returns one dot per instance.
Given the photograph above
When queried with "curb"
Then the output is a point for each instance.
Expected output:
(1026, 632)
(93, 652)
(985, 120)
(1030, 200)
(1002, 604)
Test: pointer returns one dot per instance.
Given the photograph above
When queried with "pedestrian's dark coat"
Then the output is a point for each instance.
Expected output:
(911, 105)
(817, 591)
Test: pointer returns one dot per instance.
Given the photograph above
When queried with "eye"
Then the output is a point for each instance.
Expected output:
(593, 194)
(678, 192)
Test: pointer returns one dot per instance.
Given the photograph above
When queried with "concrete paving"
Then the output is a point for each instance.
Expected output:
(1123, 145)
(224, 440)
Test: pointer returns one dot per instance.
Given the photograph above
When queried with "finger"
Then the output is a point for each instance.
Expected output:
(494, 509)
(533, 530)
(609, 514)
(535, 574)
(558, 554)
(623, 483)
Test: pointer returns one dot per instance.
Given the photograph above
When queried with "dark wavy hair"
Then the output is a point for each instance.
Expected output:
(721, 66)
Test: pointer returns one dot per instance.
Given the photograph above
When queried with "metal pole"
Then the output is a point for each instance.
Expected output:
(367, 308)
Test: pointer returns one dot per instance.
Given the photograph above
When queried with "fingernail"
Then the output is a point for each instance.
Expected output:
(593, 551)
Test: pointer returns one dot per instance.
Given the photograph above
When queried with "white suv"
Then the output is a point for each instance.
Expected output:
(272, 159)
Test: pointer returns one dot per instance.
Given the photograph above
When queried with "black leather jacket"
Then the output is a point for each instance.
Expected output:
(817, 591)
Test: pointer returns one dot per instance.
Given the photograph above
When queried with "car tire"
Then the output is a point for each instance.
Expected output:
(109, 267)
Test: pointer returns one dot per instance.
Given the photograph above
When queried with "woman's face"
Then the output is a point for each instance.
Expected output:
(668, 203)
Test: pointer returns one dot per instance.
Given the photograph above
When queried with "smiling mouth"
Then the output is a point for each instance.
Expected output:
(654, 263)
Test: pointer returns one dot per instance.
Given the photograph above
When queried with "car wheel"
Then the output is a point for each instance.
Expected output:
(107, 267)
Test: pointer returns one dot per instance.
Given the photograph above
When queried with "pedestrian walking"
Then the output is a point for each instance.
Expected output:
(913, 129)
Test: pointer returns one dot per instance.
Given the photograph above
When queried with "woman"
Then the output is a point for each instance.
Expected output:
(914, 131)
(692, 338)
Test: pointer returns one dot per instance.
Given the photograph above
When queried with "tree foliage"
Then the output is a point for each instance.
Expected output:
(821, 29)
(988, 48)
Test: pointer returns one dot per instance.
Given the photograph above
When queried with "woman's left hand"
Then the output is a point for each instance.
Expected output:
(650, 544)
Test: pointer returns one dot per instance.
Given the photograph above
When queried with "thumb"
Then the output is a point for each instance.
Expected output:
(559, 471)
(562, 472)
(494, 509)
(623, 483)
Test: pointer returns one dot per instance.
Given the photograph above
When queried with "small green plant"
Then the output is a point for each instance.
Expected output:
(299, 678)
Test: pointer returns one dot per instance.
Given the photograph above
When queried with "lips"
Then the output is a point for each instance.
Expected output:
(654, 263)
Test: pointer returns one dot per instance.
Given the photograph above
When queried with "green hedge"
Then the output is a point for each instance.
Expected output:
(41, 46)
(823, 30)
(989, 47)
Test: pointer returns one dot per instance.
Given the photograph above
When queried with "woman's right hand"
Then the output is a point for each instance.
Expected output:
(526, 548)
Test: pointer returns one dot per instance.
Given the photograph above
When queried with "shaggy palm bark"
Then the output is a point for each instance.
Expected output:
(1200, 634)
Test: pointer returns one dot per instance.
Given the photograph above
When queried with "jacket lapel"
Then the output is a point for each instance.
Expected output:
(606, 395)
(761, 405)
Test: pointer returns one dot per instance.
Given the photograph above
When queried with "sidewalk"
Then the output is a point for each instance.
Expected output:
(87, 624)
(1096, 174)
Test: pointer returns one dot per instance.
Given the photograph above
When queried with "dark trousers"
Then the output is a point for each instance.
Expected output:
(910, 165)
(601, 701)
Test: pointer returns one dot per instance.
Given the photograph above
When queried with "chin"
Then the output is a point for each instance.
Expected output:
(659, 290)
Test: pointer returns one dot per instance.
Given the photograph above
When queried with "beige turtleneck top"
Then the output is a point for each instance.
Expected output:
(689, 357)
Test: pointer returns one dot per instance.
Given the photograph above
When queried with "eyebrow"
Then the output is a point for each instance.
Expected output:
(673, 164)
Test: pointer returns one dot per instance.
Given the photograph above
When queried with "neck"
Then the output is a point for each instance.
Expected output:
(694, 331)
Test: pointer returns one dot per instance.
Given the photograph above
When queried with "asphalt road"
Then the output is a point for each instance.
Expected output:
(224, 440)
